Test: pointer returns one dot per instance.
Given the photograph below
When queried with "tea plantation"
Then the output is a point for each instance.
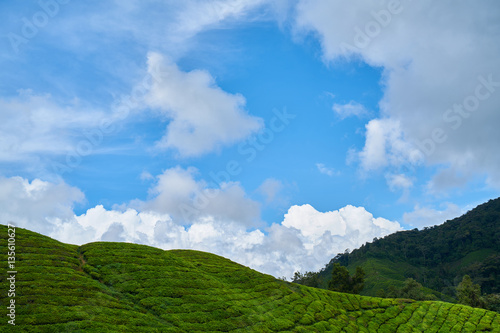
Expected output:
(121, 287)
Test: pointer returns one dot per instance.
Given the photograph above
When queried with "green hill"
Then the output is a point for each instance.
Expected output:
(437, 257)
(120, 287)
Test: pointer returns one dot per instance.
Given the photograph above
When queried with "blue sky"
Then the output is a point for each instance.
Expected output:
(275, 133)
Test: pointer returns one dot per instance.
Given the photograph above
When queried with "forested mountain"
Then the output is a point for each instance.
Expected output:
(120, 287)
(437, 257)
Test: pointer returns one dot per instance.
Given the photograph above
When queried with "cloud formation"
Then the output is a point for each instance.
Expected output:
(32, 125)
(386, 146)
(441, 78)
(351, 109)
(198, 15)
(354, 224)
(425, 216)
(270, 189)
(168, 26)
(177, 193)
(33, 204)
(202, 117)
(305, 240)
(399, 181)
(326, 170)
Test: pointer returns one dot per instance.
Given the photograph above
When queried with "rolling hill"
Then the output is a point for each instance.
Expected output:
(437, 257)
(122, 287)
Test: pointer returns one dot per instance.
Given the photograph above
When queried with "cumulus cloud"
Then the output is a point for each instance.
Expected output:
(425, 216)
(386, 146)
(351, 109)
(354, 224)
(202, 116)
(441, 93)
(98, 224)
(31, 204)
(305, 240)
(186, 199)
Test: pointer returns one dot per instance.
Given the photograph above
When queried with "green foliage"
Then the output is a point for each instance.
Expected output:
(411, 289)
(491, 302)
(121, 287)
(358, 280)
(469, 293)
(309, 279)
(342, 282)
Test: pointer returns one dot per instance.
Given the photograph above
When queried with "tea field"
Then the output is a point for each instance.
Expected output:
(123, 287)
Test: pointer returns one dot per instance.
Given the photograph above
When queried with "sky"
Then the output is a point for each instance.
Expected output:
(276, 133)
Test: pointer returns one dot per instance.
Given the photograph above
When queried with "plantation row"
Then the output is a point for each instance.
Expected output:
(114, 287)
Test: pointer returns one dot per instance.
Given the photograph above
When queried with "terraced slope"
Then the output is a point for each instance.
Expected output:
(118, 287)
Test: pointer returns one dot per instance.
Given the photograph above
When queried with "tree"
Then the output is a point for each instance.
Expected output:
(342, 282)
(491, 302)
(309, 279)
(340, 279)
(469, 293)
(358, 280)
(411, 289)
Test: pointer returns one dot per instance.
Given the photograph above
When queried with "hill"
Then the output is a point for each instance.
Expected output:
(121, 287)
(437, 257)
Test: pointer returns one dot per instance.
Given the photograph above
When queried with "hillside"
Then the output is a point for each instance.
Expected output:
(121, 287)
(437, 257)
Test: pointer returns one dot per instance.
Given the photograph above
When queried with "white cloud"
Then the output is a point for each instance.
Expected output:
(305, 240)
(355, 224)
(313, 224)
(326, 170)
(30, 204)
(399, 182)
(198, 15)
(435, 55)
(447, 179)
(351, 109)
(386, 146)
(180, 195)
(425, 216)
(270, 188)
(167, 26)
(33, 125)
(145, 176)
(202, 116)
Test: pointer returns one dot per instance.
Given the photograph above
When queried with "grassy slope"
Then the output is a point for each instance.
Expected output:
(118, 287)
(382, 273)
